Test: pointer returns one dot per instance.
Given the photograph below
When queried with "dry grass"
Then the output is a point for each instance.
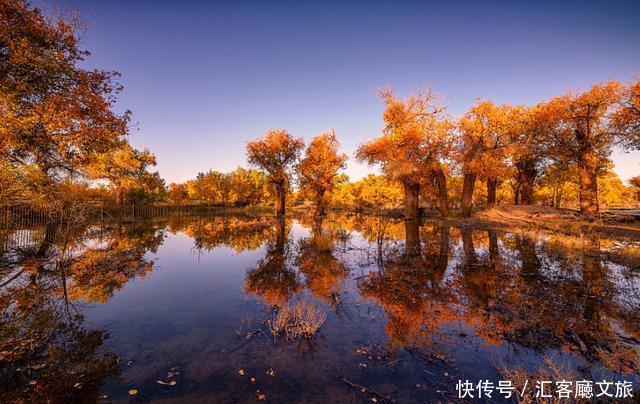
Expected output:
(300, 320)
(549, 371)
(324, 242)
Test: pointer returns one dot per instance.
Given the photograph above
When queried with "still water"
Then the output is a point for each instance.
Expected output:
(200, 310)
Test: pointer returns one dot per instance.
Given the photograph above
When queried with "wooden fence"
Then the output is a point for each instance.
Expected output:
(25, 215)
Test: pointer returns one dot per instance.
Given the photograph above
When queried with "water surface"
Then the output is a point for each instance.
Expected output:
(182, 309)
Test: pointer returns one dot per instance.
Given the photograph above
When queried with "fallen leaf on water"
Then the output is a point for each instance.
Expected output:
(241, 372)
(133, 392)
(253, 380)
(171, 383)
(261, 396)
(271, 372)
(375, 400)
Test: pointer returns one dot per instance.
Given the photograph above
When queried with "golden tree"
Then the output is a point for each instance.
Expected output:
(121, 167)
(585, 134)
(529, 146)
(178, 193)
(248, 186)
(412, 146)
(319, 167)
(485, 136)
(275, 154)
(627, 118)
(56, 116)
(635, 188)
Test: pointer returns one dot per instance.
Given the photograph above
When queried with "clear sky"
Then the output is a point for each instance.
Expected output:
(203, 77)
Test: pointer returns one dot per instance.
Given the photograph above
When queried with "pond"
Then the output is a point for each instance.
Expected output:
(351, 308)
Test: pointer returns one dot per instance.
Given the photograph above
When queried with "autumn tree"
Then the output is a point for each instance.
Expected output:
(178, 193)
(376, 192)
(412, 146)
(146, 187)
(225, 187)
(248, 186)
(555, 178)
(319, 167)
(121, 167)
(585, 134)
(529, 145)
(206, 186)
(276, 153)
(635, 188)
(56, 116)
(486, 131)
(626, 119)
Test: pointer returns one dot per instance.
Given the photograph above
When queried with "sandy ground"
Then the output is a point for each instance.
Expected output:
(613, 222)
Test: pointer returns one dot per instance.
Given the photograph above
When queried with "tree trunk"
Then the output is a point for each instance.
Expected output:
(494, 251)
(443, 257)
(467, 194)
(528, 176)
(559, 200)
(468, 249)
(527, 173)
(281, 235)
(443, 200)
(120, 196)
(587, 174)
(526, 248)
(412, 237)
(319, 202)
(280, 195)
(411, 205)
(492, 185)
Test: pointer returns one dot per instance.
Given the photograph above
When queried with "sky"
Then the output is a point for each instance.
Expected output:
(203, 77)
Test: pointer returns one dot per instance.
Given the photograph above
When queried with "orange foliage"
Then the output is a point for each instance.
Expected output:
(319, 167)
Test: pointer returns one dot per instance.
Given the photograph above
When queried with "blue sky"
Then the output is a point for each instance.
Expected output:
(202, 78)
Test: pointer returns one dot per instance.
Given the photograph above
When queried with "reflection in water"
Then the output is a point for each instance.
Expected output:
(446, 293)
(324, 273)
(274, 277)
(46, 351)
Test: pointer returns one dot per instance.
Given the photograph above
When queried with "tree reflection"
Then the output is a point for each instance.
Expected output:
(46, 351)
(508, 289)
(324, 273)
(274, 277)
(100, 271)
(46, 354)
(410, 289)
(237, 232)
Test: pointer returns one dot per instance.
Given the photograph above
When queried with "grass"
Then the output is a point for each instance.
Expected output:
(549, 371)
(297, 321)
